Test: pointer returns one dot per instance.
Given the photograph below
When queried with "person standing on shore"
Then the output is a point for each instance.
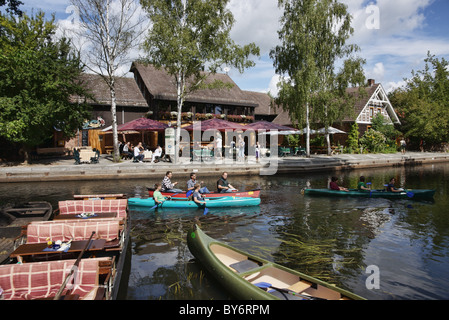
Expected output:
(403, 145)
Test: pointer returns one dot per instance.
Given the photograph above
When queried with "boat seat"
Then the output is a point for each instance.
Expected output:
(300, 286)
(243, 266)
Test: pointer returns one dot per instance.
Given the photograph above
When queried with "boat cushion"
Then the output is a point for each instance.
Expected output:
(82, 206)
(81, 230)
(41, 280)
(243, 266)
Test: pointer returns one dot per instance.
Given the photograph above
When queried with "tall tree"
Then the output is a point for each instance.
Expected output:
(37, 77)
(188, 37)
(111, 29)
(313, 42)
(423, 104)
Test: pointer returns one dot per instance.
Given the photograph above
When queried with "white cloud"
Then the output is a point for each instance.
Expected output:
(256, 21)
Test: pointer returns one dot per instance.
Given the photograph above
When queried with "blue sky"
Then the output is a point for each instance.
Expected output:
(394, 35)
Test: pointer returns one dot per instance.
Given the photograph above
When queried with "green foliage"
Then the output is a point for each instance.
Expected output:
(353, 139)
(191, 36)
(423, 104)
(37, 77)
(373, 141)
(311, 45)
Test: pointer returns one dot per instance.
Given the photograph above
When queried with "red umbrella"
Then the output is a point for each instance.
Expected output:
(142, 124)
(217, 124)
(266, 125)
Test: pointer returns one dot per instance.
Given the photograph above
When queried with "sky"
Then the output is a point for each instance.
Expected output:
(394, 36)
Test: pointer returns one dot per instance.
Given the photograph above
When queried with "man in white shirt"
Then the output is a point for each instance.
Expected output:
(138, 154)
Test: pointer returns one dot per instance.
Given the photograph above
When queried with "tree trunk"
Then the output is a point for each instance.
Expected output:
(308, 131)
(328, 140)
(116, 155)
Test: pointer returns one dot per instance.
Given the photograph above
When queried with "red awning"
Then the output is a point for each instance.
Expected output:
(143, 124)
(217, 124)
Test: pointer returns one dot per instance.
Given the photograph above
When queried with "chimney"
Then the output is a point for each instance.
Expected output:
(371, 82)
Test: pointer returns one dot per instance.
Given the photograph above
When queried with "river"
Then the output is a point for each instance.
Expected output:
(340, 241)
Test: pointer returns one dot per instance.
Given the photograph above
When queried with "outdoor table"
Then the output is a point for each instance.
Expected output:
(26, 250)
(76, 216)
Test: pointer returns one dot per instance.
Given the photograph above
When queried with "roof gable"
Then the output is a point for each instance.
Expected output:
(162, 87)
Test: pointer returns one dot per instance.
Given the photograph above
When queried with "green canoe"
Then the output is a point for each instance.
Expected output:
(406, 194)
(185, 203)
(248, 277)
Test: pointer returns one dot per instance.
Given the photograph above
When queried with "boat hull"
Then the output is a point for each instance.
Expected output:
(186, 204)
(220, 259)
(241, 194)
(406, 194)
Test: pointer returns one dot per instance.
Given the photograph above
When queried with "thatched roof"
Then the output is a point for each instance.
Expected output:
(126, 90)
(162, 87)
(264, 103)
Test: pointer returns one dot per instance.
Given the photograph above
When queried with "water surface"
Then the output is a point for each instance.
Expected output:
(330, 238)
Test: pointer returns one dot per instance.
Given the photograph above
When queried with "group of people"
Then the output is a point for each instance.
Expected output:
(362, 186)
(137, 152)
(194, 187)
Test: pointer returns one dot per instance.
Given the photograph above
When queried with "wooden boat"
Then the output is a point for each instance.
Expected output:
(406, 194)
(12, 219)
(185, 203)
(244, 194)
(99, 196)
(104, 256)
(248, 277)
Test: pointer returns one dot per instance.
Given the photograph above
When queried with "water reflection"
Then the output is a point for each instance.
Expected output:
(333, 239)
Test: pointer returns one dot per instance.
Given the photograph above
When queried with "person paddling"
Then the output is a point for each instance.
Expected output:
(362, 185)
(197, 197)
(157, 195)
(392, 188)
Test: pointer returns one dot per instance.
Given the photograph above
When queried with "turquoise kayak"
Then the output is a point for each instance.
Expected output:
(406, 194)
(184, 203)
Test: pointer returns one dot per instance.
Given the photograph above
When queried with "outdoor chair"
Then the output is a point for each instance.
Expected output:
(95, 159)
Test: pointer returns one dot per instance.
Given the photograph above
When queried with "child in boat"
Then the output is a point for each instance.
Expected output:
(392, 188)
(157, 195)
(362, 185)
(334, 186)
(197, 197)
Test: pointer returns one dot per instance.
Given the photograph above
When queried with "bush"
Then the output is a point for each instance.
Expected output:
(373, 141)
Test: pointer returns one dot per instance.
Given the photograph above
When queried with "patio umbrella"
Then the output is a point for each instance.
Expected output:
(331, 130)
(266, 125)
(217, 124)
(142, 124)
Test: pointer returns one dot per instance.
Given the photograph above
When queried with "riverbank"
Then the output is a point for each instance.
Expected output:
(66, 170)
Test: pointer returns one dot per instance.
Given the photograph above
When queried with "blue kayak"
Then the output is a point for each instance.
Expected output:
(184, 203)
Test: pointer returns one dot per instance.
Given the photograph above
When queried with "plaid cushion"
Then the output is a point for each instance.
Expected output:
(81, 206)
(79, 230)
(43, 279)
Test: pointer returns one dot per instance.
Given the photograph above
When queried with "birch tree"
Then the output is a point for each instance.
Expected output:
(313, 38)
(191, 36)
(108, 31)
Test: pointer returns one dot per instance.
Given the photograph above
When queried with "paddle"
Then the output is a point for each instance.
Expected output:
(74, 267)
(266, 285)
